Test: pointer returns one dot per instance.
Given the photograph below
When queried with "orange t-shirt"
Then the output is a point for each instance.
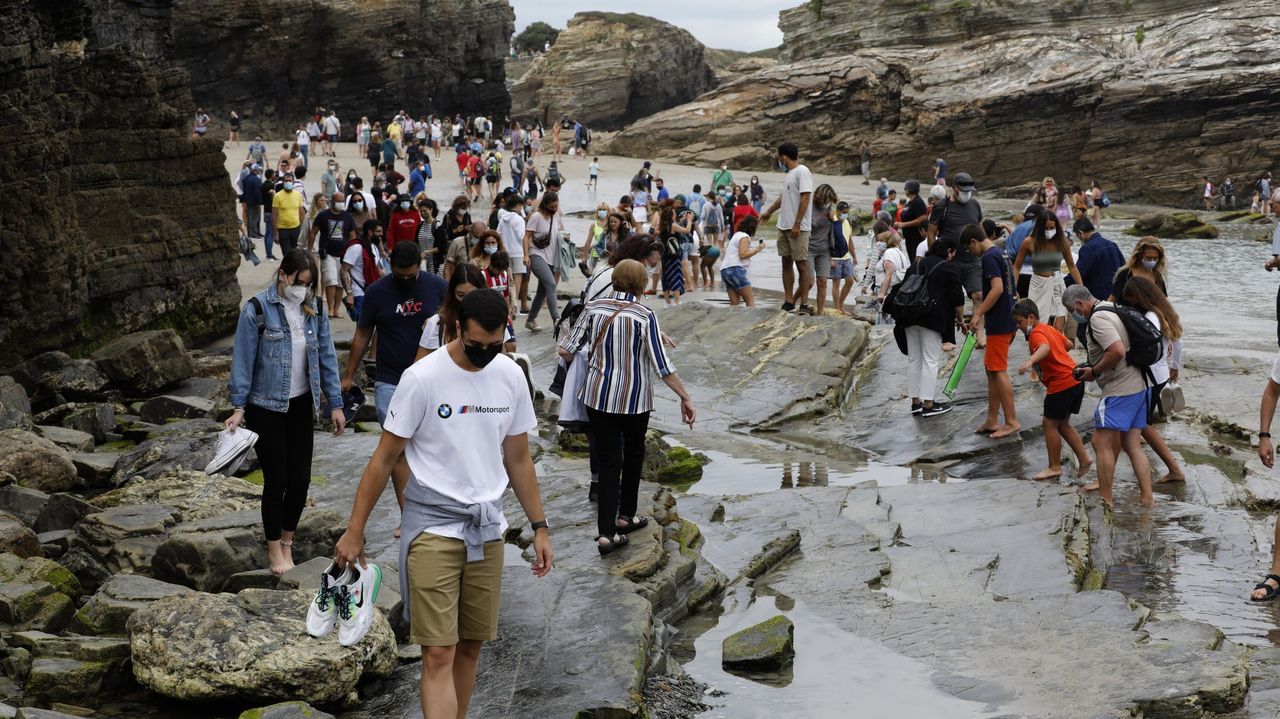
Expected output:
(1055, 370)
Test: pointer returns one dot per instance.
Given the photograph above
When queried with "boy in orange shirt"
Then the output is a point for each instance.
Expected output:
(1063, 392)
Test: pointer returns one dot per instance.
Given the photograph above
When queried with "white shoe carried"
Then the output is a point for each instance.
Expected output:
(356, 598)
(322, 612)
(232, 450)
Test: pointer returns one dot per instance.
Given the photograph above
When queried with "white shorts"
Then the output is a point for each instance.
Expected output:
(1275, 370)
(330, 272)
(640, 215)
(517, 265)
(1046, 292)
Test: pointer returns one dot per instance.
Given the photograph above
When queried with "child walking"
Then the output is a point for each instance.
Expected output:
(1063, 392)
(737, 259)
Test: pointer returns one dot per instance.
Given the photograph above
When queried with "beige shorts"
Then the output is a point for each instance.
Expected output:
(517, 266)
(797, 249)
(1046, 292)
(450, 599)
(331, 271)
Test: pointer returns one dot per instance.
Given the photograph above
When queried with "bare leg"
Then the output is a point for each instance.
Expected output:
(1004, 388)
(788, 280)
(748, 296)
(1105, 450)
(439, 693)
(1275, 560)
(1072, 438)
(1157, 443)
(466, 657)
(1132, 443)
(802, 269)
(992, 422)
(822, 296)
(1053, 445)
(276, 555)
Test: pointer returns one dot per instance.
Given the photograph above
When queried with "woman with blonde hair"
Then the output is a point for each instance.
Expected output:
(821, 243)
(597, 233)
(1147, 260)
(893, 262)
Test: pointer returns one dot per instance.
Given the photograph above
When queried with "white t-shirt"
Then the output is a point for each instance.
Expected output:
(436, 131)
(898, 257)
(456, 421)
(797, 182)
(732, 254)
(331, 126)
(298, 384)
(511, 228)
(354, 256)
(303, 138)
(431, 334)
(1159, 370)
(593, 169)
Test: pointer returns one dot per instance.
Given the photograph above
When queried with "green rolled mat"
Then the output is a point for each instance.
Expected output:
(970, 341)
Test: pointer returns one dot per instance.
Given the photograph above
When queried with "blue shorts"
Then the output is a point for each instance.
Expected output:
(735, 278)
(382, 394)
(1122, 413)
(686, 251)
(843, 270)
(353, 310)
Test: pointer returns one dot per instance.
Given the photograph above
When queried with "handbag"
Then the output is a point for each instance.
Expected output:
(573, 411)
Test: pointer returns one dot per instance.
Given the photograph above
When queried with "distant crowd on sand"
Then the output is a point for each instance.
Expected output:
(437, 290)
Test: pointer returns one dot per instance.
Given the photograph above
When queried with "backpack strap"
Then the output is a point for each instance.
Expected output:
(259, 315)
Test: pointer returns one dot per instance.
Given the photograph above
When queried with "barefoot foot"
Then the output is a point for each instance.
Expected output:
(1090, 487)
(1085, 466)
(1172, 477)
(1048, 474)
(1007, 430)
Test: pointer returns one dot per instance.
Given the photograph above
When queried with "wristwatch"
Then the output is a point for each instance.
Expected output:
(540, 524)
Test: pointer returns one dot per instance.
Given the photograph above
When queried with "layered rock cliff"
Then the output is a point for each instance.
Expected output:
(607, 69)
(114, 219)
(274, 61)
(1145, 96)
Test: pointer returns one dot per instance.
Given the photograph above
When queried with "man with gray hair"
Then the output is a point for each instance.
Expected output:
(1121, 414)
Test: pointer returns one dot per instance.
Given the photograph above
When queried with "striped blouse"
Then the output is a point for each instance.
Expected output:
(620, 372)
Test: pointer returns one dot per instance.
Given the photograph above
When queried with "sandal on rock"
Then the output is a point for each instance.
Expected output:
(632, 524)
(1271, 591)
(618, 540)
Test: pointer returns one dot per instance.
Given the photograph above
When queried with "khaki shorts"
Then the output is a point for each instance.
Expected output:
(450, 599)
(797, 249)
(517, 266)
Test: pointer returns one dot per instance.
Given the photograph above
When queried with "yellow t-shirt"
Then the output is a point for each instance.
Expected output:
(286, 208)
(394, 131)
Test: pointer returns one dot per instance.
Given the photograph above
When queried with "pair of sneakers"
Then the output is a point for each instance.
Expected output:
(345, 598)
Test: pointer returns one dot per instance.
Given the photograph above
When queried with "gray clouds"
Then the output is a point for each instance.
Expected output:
(740, 25)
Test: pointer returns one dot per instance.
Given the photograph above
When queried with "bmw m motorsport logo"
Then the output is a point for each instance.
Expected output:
(445, 411)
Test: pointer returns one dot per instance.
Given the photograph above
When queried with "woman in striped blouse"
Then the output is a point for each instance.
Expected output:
(624, 347)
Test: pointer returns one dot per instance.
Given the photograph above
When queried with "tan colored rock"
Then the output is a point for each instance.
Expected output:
(35, 461)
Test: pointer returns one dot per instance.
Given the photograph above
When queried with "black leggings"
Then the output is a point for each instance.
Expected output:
(620, 449)
(284, 451)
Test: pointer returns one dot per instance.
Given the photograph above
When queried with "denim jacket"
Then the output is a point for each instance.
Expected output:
(260, 364)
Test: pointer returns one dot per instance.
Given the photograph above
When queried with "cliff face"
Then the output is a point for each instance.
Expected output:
(608, 69)
(274, 61)
(114, 219)
(1004, 91)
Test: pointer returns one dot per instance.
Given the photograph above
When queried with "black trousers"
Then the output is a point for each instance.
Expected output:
(288, 239)
(284, 452)
(620, 451)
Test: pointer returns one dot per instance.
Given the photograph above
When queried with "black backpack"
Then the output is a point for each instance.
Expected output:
(912, 302)
(1146, 342)
(671, 247)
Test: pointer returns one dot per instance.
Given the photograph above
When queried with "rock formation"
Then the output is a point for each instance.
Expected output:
(114, 219)
(274, 61)
(607, 69)
(1145, 96)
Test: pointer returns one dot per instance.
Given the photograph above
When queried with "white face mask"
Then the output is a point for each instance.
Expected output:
(965, 196)
(490, 249)
(1150, 264)
(295, 294)
(1050, 234)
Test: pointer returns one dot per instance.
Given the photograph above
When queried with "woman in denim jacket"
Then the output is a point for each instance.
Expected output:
(283, 362)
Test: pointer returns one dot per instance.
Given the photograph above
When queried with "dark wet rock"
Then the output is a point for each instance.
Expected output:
(87, 570)
(34, 605)
(251, 645)
(108, 610)
(205, 554)
(195, 495)
(56, 373)
(97, 419)
(63, 511)
(72, 440)
(767, 646)
(33, 713)
(75, 669)
(571, 444)
(30, 570)
(158, 410)
(252, 579)
(1174, 226)
(17, 538)
(674, 696)
(95, 468)
(55, 544)
(23, 503)
(35, 461)
(143, 363)
(213, 366)
(286, 710)
(126, 537)
(182, 445)
(15, 407)
(603, 89)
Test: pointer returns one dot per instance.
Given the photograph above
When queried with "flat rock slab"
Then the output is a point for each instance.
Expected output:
(70, 439)
(108, 611)
(194, 494)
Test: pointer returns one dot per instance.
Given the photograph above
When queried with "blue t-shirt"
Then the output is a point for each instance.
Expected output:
(942, 169)
(398, 317)
(663, 194)
(1014, 242)
(417, 182)
(999, 319)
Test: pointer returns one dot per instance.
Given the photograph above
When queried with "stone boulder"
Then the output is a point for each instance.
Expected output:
(286, 710)
(97, 419)
(126, 537)
(107, 611)
(606, 89)
(30, 570)
(767, 646)
(1173, 226)
(251, 645)
(57, 374)
(15, 407)
(35, 461)
(182, 445)
(72, 440)
(143, 363)
(205, 554)
(195, 495)
(96, 469)
(34, 605)
(158, 410)
(87, 570)
(75, 670)
(63, 511)
(17, 538)
(23, 503)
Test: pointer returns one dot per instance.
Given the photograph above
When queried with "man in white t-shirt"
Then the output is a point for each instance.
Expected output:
(511, 226)
(794, 224)
(461, 417)
(353, 275)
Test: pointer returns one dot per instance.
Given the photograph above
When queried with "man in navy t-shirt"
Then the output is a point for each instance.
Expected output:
(396, 306)
(996, 310)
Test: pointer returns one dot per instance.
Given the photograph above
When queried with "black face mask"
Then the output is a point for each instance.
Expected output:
(404, 284)
(481, 356)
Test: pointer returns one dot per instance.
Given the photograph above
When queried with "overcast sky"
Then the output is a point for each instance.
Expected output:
(740, 25)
